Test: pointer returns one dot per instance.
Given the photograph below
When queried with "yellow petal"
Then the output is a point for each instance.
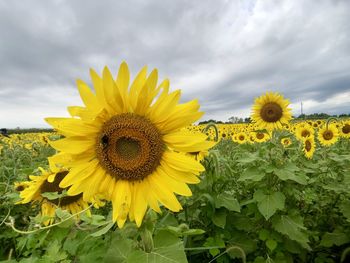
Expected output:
(73, 145)
(166, 197)
(182, 162)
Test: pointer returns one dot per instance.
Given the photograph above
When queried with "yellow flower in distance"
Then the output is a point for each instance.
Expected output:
(286, 142)
(303, 131)
(128, 142)
(270, 111)
(328, 135)
(309, 147)
(345, 129)
(48, 182)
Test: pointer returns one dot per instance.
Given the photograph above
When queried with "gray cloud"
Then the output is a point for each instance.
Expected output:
(223, 52)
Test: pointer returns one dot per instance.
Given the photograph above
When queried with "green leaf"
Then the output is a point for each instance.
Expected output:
(219, 218)
(264, 234)
(345, 209)
(268, 204)
(119, 250)
(334, 239)
(214, 242)
(103, 231)
(252, 174)
(285, 174)
(228, 201)
(168, 249)
(271, 244)
(292, 227)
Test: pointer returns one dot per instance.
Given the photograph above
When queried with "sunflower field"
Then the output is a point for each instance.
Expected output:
(130, 178)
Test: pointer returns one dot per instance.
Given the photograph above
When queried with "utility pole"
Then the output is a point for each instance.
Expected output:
(301, 108)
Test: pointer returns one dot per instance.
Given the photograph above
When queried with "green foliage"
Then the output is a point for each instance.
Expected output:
(255, 203)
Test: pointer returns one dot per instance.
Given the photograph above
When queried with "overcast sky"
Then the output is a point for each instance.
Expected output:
(225, 53)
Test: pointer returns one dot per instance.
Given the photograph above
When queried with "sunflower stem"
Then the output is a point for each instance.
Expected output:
(215, 128)
(329, 120)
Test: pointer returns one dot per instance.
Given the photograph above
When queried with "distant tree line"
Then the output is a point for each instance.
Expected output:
(19, 130)
(315, 116)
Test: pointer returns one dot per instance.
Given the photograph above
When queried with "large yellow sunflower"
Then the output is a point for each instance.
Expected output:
(270, 111)
(48, 182)
(128, 143)
(328, 135)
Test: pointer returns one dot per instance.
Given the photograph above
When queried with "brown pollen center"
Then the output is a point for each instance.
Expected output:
(271, 112)
(305, 133)
(260, 135)
(346, 129)
(327, 135)
(129, 147)
(307, 145)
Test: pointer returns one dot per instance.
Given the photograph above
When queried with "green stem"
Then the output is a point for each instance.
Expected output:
(215, 128)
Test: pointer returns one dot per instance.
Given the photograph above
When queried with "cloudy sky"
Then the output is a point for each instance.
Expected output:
(225, 53)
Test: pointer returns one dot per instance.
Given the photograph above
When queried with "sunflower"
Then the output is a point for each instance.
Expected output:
(271, 111)
(129, 143)
(48, 182)
(261, 136)
(345, 129)
(309, 147)
(303, 131)
(286, 142)
(328, 135)
(241, 137)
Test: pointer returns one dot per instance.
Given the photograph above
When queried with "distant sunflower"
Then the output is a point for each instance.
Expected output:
(261, 136)
(345, 129)
(303, 131)
(328, 136)
(286, 142)
(128, 143)
(48, 182)
(241, 137)
(309, 147)
(270, 111)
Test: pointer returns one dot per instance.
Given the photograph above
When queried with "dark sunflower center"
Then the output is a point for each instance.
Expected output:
(307, 146)
(48, 187)
(305, 133)
(286, 142)
(20, 188)
(241, 138)
(346, 129)
(328, 135)
(271, 112)
(129, 147)
(260, 135)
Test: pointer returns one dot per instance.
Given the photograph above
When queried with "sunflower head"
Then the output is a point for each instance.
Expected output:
(328, 135)
(286, 142)
(270, 111)
(345, 129)
(303, 131)
(48, 182)
(309, 147)
(129, 142)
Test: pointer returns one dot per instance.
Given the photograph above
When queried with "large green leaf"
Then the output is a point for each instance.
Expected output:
(219, 218)
(119, 250)
(335, 238)
(228, 201)
(168, 249)
(285, 174)
(252, 174)
(268, 204)
(292, 226)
